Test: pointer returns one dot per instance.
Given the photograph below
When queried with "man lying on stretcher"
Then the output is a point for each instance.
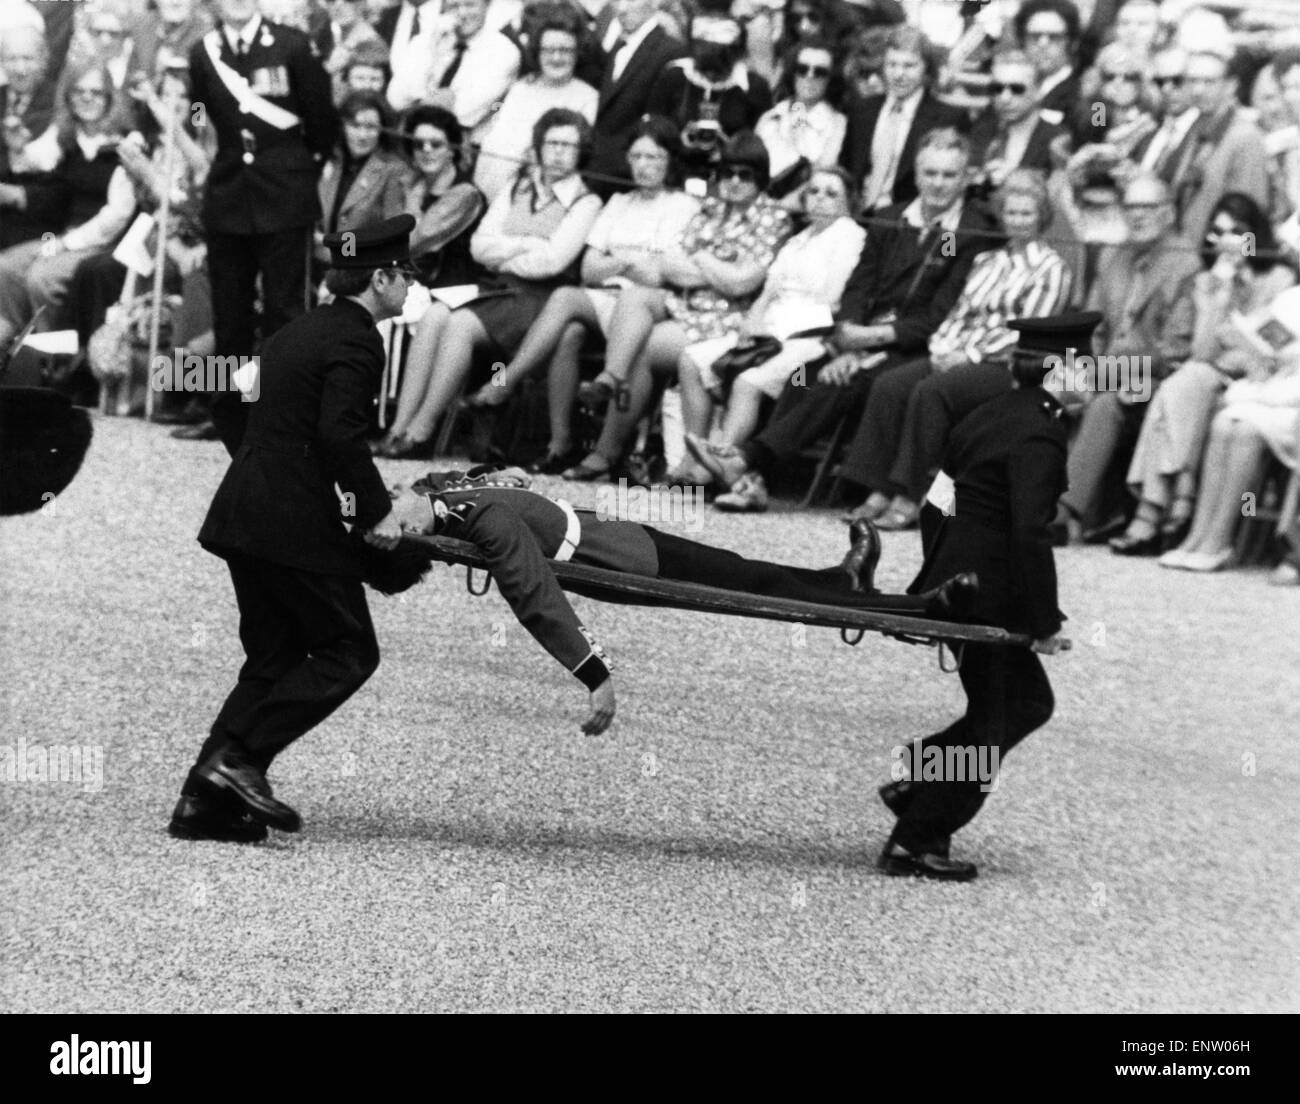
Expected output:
(518, 531)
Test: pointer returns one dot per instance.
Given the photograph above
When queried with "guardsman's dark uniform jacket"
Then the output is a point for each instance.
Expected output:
(264, 174)
(305, 432)
(487, 511)
(1007, 459)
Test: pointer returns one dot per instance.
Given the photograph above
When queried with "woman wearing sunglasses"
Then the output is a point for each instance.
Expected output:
(714, 275)
(805, 131)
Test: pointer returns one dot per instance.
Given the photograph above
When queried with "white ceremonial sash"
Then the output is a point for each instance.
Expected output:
(572, 532)
(249, 101)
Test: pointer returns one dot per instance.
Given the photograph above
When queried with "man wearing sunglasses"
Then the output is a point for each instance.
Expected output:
(1012, 133)
(1048, 31)
(300, 470)
(1162, 152)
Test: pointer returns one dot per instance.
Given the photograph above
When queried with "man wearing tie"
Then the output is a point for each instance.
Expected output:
(267, 96)
(1162, 152)
(884, 131)
(636, 48)
(471, 67)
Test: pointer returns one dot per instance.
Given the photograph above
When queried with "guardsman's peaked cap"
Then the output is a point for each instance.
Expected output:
(384, 244)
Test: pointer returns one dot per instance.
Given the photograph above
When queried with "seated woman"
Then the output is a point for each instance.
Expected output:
(807, 278)
(530, 239)
(624, 248)
(520, 531)
(363, 182)
(1260, 415)
(716, 272)
(900, 441)
(1237, 280)
(447, 208)
(93, 190)
(551, 57)
(805, 131)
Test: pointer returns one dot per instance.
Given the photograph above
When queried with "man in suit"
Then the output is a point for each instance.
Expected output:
(268, 97)
(635, 56)
(1048, 31)
(1226, 149)
(468, 69)
(884, 131)
(299, 469)
(1163, 151)
(1013, 133)
(1007, 463)
(1145, 299)
(911, 272)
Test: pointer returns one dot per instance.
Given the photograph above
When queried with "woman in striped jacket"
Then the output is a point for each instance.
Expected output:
(911, 408)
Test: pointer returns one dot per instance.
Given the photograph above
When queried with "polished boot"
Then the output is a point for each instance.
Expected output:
(863, 555)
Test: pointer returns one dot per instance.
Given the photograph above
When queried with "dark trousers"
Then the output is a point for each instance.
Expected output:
(234, 263)
(691, 562)
(310, 645)
(1099, 459)
(805, 414)
(1007, 697)
(900, 444)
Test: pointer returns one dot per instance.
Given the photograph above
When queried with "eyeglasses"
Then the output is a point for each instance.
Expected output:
(1173, 82)
(802, 70)
(1142, 208)
(361, 124)
(1131, 78)
(90, 93)
(559, 143)
(997, 88)
(108, 32)
(1046, 36)
(743, 173)
(828, 192)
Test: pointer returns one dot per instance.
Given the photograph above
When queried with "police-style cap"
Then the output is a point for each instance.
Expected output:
(384, 244)
(1055, 334)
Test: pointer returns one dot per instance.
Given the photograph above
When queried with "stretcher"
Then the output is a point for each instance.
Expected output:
(603, 585)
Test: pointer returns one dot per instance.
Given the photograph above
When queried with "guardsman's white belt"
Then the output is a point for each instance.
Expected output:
(572, 532)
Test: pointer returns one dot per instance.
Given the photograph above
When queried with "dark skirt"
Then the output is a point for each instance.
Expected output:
(506, 312)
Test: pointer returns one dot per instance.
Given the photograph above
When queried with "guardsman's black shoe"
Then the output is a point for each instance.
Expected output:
(899, 862)
(864, 554)
(230, 772)
(199, 817)
(954, 599)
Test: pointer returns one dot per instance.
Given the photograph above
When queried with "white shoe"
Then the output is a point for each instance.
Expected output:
(1175, 558)
(747, 496)
(725, 463)
(1207, 561)
(1285, 574)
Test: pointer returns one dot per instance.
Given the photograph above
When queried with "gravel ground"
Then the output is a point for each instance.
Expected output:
(465, 847)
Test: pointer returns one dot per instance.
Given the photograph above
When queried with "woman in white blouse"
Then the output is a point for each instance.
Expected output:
(803, 285)
(804, 130)
(552, 54)
(623, 248)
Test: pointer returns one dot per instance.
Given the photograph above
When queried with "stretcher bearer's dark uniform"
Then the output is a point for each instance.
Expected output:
(266, 93)
(520, 531)
(1007, 460)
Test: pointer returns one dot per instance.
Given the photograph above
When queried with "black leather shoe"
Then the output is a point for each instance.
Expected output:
(553, 463)
(201, 431)
(1102, 533)
(899, 862)
(1125, 545)
(955, 599)
(897, 796)
(864, 554)
(232, 773)
(199, 817)
(1173, 535)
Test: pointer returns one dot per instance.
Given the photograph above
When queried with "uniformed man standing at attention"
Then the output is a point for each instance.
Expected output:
(301, 468)
(264, 90)
(1007, 464)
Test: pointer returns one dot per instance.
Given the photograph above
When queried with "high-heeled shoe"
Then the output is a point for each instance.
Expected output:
(598, 393)
(555, 463)
(1173, 533)
(1126, 544)
(586, 472)
(407, 448)
(488, 396)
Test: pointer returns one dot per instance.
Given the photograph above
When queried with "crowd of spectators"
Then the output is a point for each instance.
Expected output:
(746, 223)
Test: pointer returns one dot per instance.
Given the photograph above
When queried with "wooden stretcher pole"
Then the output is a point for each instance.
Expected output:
(160, 253)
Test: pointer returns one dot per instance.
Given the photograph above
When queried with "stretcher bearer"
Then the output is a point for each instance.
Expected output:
(1007, 464)
(266, 93)
(520, 532)
(300, 471)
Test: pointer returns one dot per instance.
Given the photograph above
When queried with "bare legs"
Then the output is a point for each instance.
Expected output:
(419, 368)
(1231, 470)
(447, 367)
(635, 315)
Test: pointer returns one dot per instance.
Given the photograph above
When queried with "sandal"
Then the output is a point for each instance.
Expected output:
(487, 396)
(596, 394)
